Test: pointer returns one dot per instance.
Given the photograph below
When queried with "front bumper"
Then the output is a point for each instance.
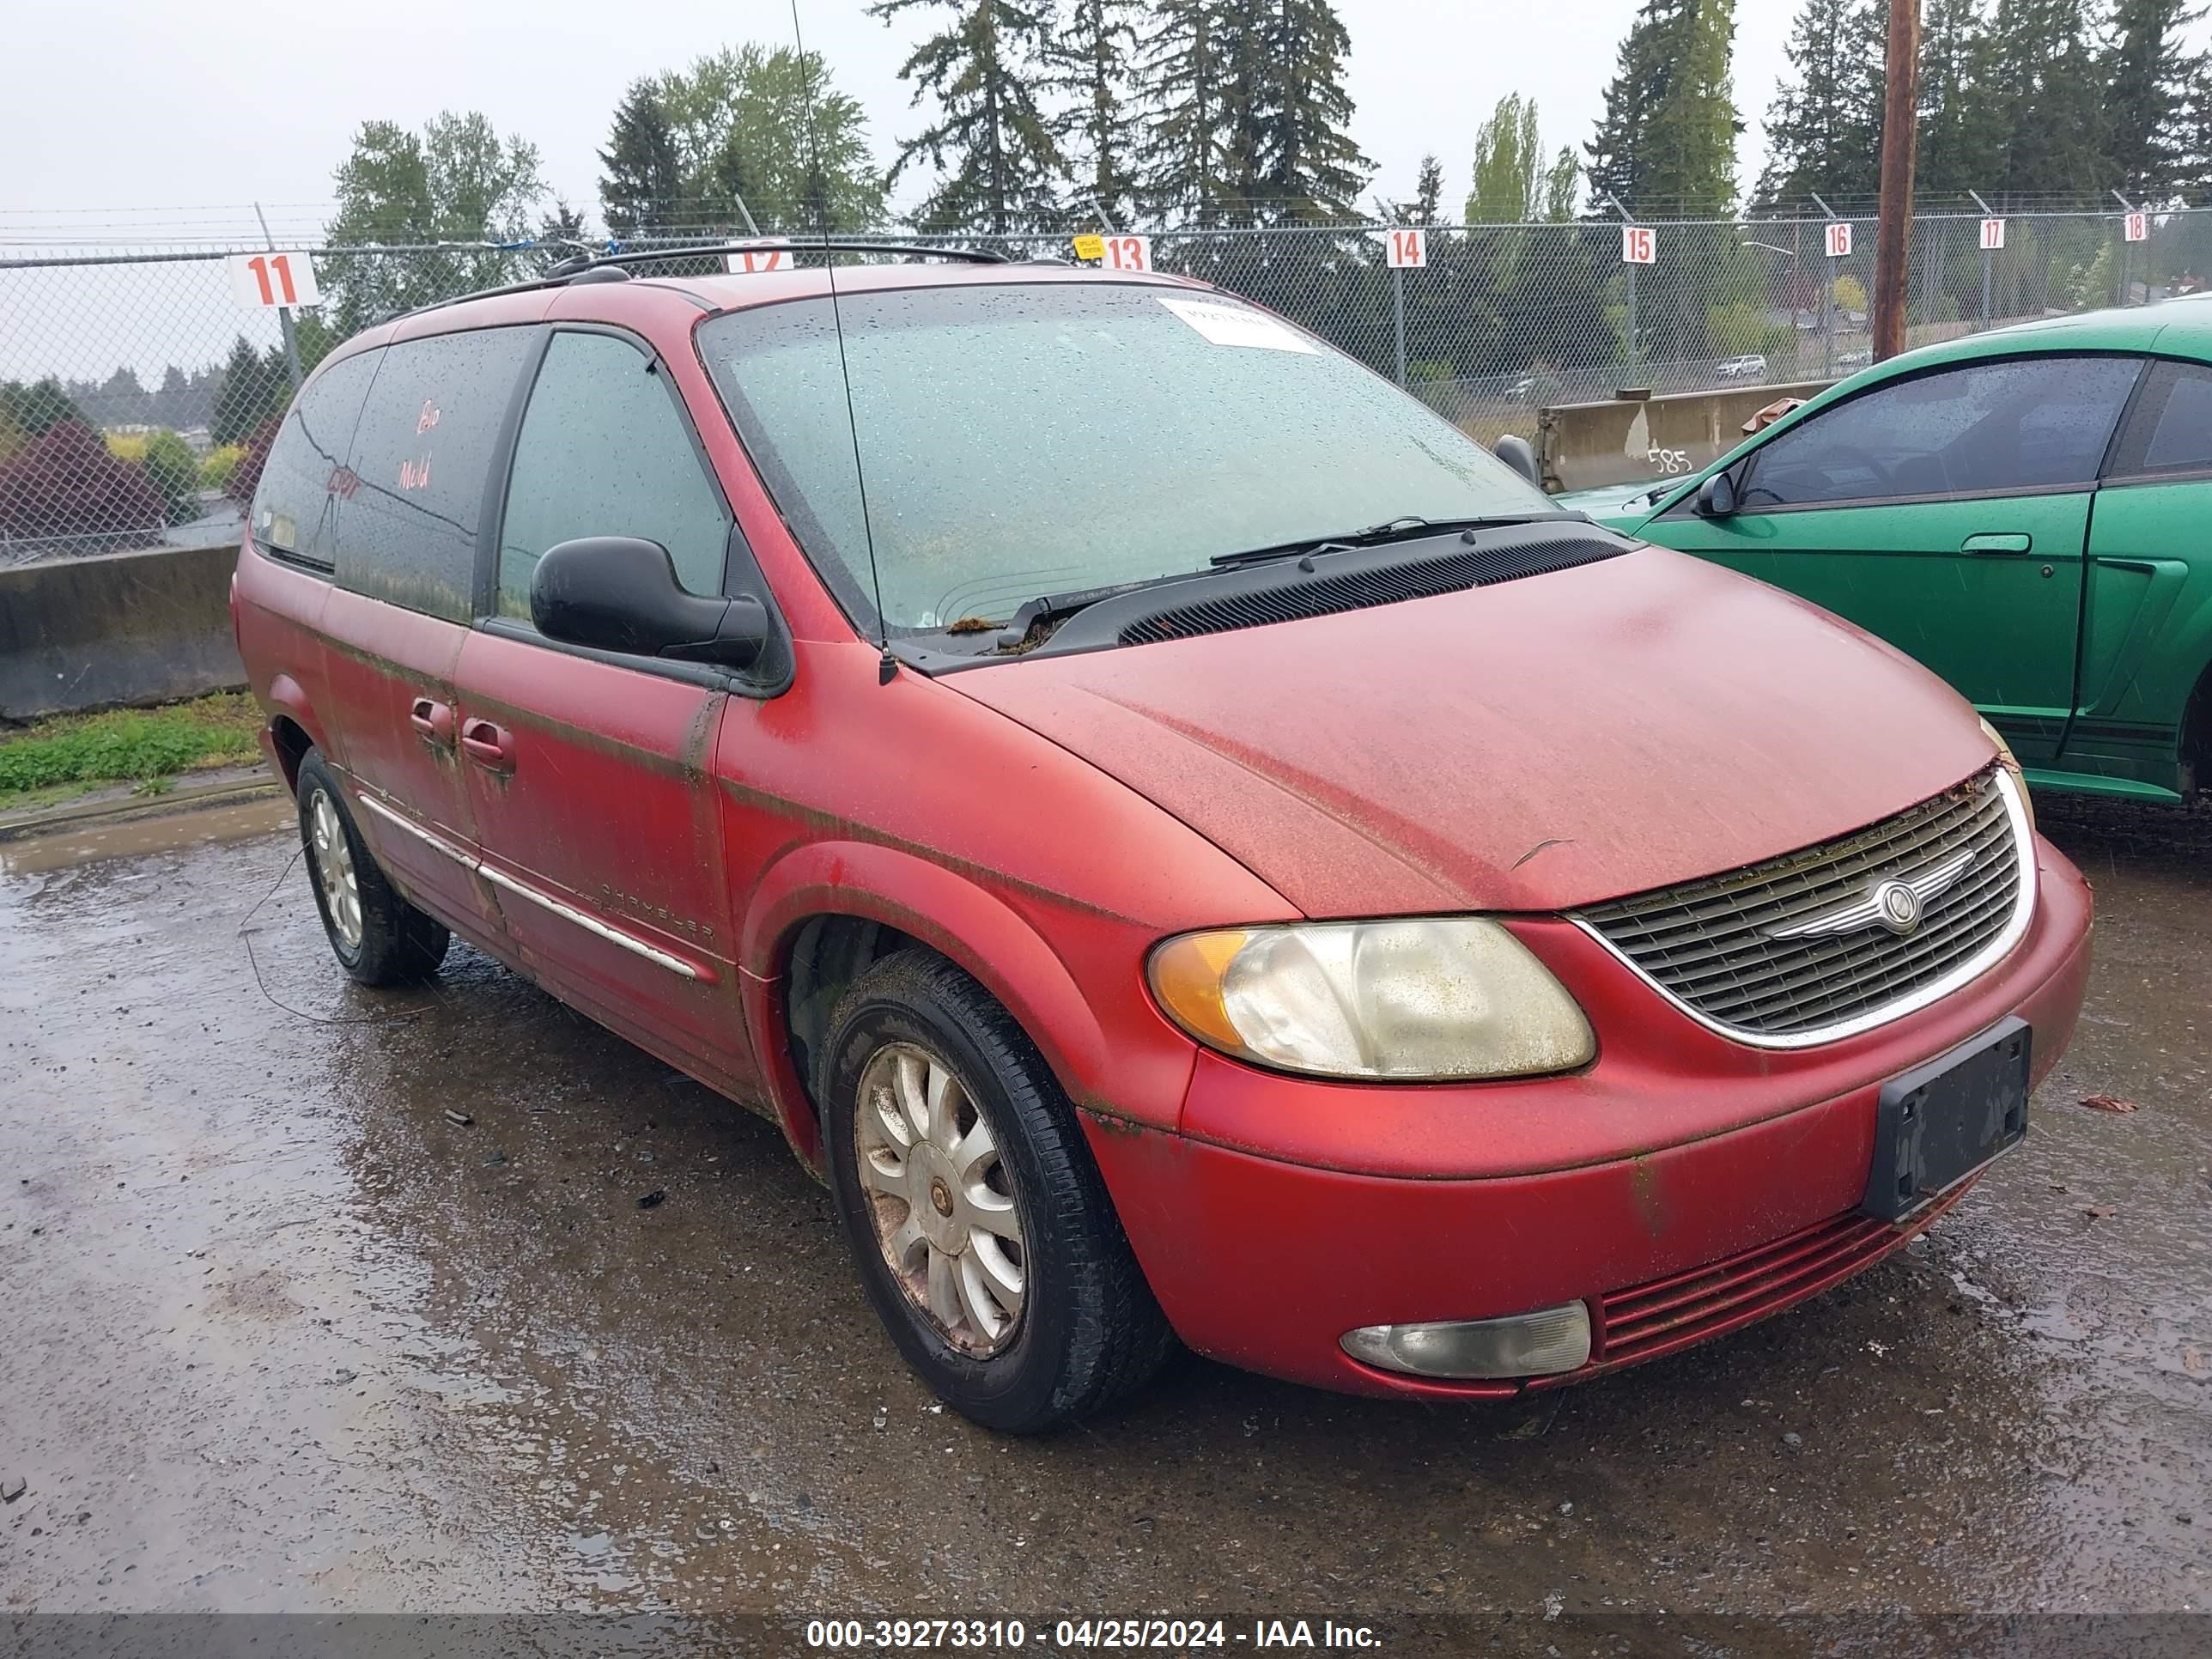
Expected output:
(1683, 1186)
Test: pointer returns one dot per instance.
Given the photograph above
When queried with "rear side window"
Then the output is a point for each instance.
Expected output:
(421, 457)
(1982, 428)
(604, 452)
(306, 479)
(2171, 428)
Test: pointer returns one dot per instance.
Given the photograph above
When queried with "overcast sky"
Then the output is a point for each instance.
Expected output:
(123, 114)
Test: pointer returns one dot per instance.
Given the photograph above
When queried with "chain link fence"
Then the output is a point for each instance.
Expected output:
(137, 394)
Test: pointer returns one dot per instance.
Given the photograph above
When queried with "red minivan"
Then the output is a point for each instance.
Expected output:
(1181, 840)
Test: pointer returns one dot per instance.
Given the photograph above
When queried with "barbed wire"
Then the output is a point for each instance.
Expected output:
(224, 224)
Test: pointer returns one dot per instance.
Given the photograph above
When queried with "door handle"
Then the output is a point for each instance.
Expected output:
(433, 720)
(486, 744)
(2010, 542)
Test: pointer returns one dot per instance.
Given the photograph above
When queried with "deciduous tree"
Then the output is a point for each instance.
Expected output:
(457, 181)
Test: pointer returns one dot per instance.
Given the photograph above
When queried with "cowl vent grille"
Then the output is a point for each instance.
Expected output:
(1358, 590)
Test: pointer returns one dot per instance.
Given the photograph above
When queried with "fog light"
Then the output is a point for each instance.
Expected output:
(1527, 1345)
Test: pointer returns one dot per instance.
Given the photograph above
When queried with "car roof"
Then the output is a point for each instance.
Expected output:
(2176, 328)
(663, 305)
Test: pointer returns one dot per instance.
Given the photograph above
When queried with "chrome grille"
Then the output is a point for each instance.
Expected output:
(1710, 945)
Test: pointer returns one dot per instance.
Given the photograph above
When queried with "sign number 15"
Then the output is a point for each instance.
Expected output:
(262, 280)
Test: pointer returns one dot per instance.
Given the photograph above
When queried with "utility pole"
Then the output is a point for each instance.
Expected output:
(1900, 136)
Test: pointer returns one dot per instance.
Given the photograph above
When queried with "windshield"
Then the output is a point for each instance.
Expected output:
(1024, 440)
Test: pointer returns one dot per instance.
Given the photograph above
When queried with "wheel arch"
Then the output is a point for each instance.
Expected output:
(825, 911)
(2196, 755)
(292, 729)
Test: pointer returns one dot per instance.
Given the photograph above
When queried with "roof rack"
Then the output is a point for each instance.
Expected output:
(788, 244)
(608, 267)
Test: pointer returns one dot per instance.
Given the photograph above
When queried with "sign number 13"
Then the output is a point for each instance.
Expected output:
(1128, 253)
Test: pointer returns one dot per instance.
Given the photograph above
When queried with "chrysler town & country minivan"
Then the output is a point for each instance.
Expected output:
(1184, 842)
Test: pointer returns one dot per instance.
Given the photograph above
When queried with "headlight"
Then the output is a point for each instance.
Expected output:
(2010, 761)
(1428, 1000)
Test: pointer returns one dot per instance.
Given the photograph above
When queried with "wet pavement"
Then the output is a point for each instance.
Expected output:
(276, 1333)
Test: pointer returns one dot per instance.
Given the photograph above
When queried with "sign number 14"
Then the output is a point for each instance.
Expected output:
(263, 280)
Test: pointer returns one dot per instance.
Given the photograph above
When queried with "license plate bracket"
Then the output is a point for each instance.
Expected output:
(1938, 1123)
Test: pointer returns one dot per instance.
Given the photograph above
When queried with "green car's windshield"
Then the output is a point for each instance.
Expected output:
(1022, 439)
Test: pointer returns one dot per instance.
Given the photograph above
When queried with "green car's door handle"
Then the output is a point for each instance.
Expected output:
(1997, 544)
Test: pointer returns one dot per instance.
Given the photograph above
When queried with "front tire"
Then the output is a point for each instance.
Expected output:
(377, 936)
(983, 1233)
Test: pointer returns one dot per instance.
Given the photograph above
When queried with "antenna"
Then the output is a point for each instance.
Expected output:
(820, 183)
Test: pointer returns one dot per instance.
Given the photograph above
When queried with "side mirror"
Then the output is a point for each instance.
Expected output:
(619, 593)
(1516, 454)
(1716, 497)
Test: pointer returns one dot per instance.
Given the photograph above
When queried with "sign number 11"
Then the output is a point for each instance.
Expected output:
(262, 280)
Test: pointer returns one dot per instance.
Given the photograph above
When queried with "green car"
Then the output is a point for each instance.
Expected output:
(2026, 512)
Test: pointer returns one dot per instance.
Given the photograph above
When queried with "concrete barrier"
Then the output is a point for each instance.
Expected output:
(116, 629)
(1628, 439)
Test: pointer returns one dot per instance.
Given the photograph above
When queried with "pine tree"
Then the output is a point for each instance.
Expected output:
(992, 141)
(644, 176)
(1667, 141)
(1309, 169)
(243, 399)
(1513, 183)
(1824, 127)
(2042, 63)
(1183, 81)
(2147, 71)
(1428, 194)
(1963, 122)
(1290, 157)
(1094, 62)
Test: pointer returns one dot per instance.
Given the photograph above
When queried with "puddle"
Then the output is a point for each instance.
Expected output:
(89, 843)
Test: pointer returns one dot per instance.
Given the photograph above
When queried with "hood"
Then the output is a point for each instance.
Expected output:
(1533, 745)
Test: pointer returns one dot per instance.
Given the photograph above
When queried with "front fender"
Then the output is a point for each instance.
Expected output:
(1144, 1073)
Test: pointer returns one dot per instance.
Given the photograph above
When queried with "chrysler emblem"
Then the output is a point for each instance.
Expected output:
(1897, 903)
(1900, 905)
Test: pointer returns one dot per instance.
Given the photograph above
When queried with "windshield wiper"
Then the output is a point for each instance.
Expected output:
(1408, 528)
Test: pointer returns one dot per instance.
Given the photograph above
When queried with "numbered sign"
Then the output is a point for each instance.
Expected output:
(1839, 239)
(748, 262)
(1640, 245)
(2138, 227)
(272, 279)
(1992, 235)
(1128, 253)
(1406, 248)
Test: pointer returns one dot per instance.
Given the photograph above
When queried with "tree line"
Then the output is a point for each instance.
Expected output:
(2021, 101)
(1211, 117)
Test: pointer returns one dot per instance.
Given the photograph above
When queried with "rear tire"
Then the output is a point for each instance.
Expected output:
(377, 936)
(983, 1233)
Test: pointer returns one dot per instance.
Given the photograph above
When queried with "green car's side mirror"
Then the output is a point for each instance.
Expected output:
(1716, 497)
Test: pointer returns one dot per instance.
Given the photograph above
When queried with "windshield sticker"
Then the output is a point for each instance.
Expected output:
(1239, 325)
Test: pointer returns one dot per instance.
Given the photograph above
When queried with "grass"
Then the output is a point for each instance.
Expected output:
(72, 753)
